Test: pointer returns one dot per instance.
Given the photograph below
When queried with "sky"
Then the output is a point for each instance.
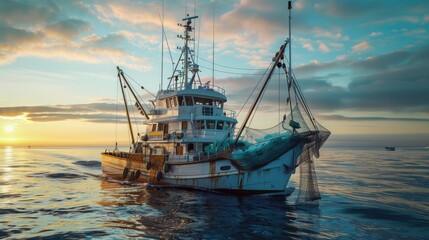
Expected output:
(362, 65)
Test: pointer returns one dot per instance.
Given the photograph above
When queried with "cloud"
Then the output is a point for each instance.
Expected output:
(347, 118)
(375, 34)
(308, 46)
(43, 29)
(363, 46)
(344, 9)
(414, 32)
(396, 82)
(24, 13)
(91, 112)
(67, 29)
(324, 48)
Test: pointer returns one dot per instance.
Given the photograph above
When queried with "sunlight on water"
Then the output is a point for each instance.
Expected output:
(59, 193)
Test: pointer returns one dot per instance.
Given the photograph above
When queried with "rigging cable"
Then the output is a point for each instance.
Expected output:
(116, 115)
(162, 46)
(237, 68)
(254, 89)
(213, 52)
(257, 105)
(165, 36)
(141, 86)
(279, 99)
(237, 73)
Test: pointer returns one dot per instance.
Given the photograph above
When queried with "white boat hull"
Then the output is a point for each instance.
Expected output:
(219, 175)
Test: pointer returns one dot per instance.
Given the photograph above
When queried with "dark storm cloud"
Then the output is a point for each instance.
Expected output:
(395, 82)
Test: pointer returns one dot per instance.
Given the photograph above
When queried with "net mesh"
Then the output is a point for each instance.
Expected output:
(280, 139)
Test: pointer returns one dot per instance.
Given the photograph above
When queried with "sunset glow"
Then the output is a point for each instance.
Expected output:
(362, 67)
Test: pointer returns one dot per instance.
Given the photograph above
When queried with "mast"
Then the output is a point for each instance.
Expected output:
(186, 50)
(252, 108)
(126, 105)
(289, 7)
(162, 46)
(213, 45)
(290, 40)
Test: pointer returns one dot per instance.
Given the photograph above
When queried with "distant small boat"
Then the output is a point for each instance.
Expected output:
(390, 148)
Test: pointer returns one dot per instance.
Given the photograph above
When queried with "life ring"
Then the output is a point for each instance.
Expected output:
(138, 173)
(166, 167)
(125, 173)
(148, 165)
(159, 176)
(179, 135)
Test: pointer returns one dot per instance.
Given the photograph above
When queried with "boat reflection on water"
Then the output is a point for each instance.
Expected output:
(145, 213)
(170, 213)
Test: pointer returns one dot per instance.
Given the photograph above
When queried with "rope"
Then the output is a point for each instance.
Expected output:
(259, 82)
(237, 68)
(142, 87)
(116, 116)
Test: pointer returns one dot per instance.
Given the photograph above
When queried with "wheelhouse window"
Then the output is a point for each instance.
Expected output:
(203, 101)
(218, 103)
(181, 100)
(220, 125)
(211, 124)
(200, 124)
(208, 111)
(189, 101)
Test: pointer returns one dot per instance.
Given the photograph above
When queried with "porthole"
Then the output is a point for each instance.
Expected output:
(224, 168)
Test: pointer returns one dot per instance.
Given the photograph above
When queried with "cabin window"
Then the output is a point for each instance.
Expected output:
(190, 147)
(184, 125)
(174, 102)
(182, 101)
(200, 124)
(203, 101)
(210, 124)
(218, 103)
(207, 111)
(220, 125)
(189, 101)
(153, 127)
(167, 102)
(163, 127)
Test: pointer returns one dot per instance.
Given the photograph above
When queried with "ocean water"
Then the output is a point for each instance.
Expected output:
(59, 193)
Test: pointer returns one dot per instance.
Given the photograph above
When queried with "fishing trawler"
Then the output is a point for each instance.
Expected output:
(191, 139)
